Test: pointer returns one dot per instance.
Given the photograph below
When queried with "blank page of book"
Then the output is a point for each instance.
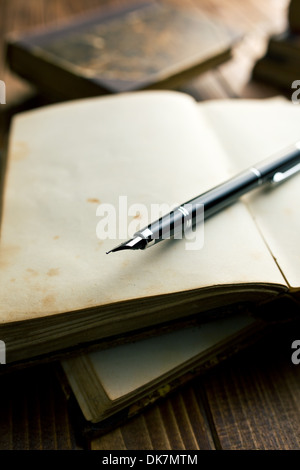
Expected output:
(250, 131)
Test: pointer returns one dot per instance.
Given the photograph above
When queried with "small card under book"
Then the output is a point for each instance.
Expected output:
(143, 46)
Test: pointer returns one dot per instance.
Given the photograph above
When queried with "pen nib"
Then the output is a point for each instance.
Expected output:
(137, 243)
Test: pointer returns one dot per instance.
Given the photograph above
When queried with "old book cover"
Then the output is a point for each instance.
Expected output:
(280, 66)
(294, 15)
(151, 45)
(285, 47)
(278, 71)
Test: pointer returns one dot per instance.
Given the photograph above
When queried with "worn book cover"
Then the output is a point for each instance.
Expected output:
(294, 15)
(285, 47)
(280, 66)
(149, 45)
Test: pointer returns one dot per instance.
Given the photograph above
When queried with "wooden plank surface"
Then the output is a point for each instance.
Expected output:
(177, 423)
(255, 398)
(249, 402)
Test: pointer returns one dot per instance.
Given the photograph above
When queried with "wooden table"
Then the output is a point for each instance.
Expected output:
(251, 401)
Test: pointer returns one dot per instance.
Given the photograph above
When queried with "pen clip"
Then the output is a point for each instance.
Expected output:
(279, 177)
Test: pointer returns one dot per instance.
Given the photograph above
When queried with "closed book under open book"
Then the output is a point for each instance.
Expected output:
(68, 163)
(107, 387)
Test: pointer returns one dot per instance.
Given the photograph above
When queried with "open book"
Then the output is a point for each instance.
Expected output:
(58, 287)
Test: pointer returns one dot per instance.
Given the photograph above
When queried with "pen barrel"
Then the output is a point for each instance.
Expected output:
(176, 223)
(279, 163)
(188, 215)
(227, 193)
(172, 225)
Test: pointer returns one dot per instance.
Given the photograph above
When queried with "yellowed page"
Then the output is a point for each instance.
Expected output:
(67, 159)
(250, 131)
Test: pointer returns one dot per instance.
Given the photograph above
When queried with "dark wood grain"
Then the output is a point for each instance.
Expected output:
(33, 412)
(254, 398)
(178, 423)
(250, 402)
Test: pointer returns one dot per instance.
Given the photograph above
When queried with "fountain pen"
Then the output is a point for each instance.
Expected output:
(274, 170)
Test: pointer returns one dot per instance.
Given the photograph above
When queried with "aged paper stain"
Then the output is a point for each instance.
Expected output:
(20, 150)
(53, 272)
(32, 272)
(49, 300)
(93, 200)
(7, 255)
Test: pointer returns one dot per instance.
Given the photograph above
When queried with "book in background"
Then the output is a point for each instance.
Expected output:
(144, 46)
(294, 16)
(280, 66)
